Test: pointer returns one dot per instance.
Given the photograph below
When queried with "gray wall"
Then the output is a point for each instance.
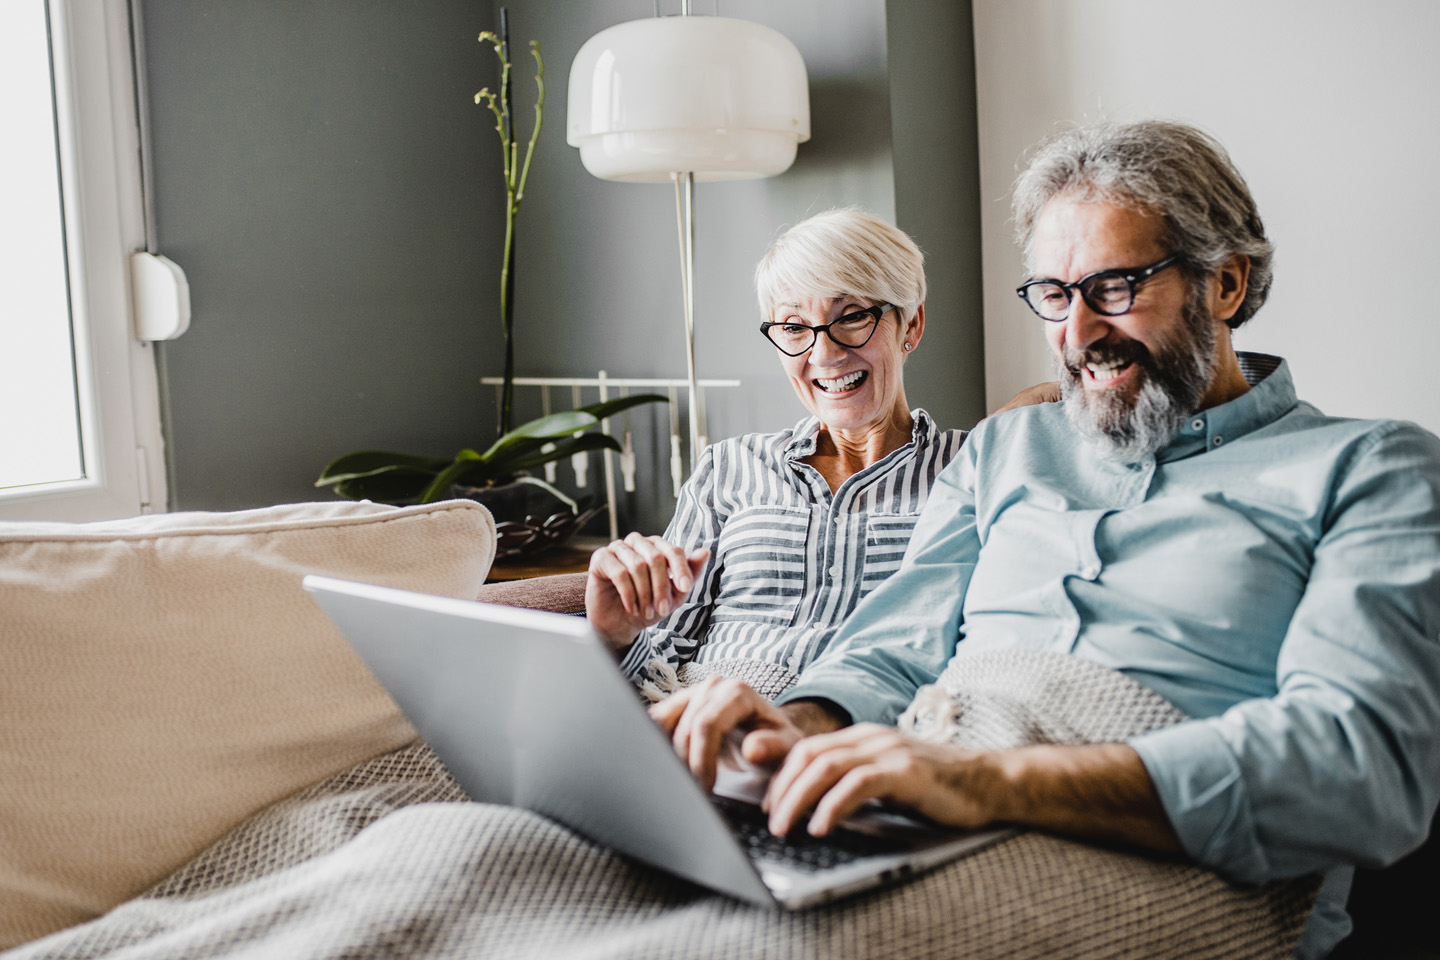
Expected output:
(937, 198)
(321, 174)
(333, 194)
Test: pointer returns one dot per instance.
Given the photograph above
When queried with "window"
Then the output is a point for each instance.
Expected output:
(79, 410)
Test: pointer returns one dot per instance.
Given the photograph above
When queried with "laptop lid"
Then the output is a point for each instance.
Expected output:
(526, 708)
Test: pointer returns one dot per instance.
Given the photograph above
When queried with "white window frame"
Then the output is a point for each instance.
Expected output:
(119, 400)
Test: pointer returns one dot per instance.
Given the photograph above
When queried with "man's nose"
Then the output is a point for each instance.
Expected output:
(1084, 327)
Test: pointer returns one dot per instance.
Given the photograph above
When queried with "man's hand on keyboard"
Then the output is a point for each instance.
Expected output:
(699, 718)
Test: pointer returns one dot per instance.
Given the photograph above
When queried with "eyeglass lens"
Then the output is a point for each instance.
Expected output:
(1107, 293)
(852, 330)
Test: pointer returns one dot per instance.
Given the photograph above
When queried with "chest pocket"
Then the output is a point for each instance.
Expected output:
(885, 541)
(762, 557)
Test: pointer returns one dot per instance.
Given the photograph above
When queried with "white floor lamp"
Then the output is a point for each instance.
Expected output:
(683, 99)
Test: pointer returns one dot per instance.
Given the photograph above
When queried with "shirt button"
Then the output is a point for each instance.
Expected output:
(795, 662)
(1197, 424)
(839, 521)
(835, 571)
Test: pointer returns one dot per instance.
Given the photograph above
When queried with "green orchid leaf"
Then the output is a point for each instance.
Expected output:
(369, 463)
(389, 477)
(397, 486)
(563, 448)
(539, 430)
(608, 408)
(528, 437)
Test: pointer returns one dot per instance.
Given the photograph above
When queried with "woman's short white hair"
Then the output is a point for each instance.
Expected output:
(842, 252)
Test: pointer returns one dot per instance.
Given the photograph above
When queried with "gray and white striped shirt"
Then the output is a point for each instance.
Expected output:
(789, 560)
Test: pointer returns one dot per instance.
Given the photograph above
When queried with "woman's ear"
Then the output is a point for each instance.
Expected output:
(915, 328)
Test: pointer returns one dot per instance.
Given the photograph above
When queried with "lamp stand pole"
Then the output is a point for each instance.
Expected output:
(685, 220)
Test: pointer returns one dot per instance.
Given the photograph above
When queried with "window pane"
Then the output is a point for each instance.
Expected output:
(39, 421)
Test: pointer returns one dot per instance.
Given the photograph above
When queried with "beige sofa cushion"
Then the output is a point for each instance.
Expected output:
(164, 678)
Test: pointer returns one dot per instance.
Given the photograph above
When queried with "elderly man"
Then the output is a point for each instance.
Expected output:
(1180, 518)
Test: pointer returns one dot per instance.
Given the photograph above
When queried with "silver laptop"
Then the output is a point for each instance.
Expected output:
(527, 709)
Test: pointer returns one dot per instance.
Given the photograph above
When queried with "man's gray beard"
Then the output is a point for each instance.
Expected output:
(1173, 381)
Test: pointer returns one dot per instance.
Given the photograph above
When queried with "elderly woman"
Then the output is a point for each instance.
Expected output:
(778, 536)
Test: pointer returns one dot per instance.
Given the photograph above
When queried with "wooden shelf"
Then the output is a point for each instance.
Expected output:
(571, 557)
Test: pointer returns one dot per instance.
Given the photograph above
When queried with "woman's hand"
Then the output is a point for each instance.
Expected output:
(699, 718)
(636, 582)
(834, 774)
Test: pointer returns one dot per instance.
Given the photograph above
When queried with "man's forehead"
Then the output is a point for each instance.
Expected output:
(1079, 236)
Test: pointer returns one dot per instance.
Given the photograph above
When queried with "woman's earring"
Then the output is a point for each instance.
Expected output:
(907, 346)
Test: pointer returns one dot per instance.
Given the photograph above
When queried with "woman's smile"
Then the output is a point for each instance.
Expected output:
(842, 384)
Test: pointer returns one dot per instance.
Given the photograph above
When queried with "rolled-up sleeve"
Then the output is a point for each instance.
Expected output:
(1342, 765)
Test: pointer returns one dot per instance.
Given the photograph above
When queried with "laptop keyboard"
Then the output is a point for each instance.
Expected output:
(800, 850)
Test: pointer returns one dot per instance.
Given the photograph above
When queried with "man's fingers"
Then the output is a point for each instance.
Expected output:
(713, 709)
(725, 705)
(667, 712)
(861, 784)
(814, 767)
(806, 787)
(766, 748)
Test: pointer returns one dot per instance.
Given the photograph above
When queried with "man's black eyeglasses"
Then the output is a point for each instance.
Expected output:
(1107, 292)
(852, 330)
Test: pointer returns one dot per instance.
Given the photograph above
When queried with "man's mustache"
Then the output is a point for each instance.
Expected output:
(1123, 351)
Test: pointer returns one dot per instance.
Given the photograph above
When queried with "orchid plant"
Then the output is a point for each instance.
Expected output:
(515, 174)
(404, 478)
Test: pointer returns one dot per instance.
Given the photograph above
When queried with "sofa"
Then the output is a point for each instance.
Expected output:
(194, 764)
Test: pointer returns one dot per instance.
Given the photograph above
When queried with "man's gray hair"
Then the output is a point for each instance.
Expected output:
(842, 252)
(1164, 169)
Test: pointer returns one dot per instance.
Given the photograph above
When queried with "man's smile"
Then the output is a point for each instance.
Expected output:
(1106, 373)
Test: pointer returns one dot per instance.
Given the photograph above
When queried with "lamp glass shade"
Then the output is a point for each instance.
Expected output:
(720, 98)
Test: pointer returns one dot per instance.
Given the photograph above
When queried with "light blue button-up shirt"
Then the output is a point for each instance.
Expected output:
(1273, 572)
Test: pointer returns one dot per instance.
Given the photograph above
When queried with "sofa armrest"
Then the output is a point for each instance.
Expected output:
(558, 593)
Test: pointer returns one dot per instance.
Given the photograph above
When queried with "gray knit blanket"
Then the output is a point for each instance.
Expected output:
(390, 860)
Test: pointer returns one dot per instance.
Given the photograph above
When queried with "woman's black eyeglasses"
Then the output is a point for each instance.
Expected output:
(852, 330)
(1107, 292)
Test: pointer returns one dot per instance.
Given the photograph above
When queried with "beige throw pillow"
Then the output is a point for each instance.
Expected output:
(164, 678)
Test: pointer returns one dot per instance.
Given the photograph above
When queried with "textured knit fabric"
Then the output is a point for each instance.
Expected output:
(789, 560)
(381, 862)
(1273, 572)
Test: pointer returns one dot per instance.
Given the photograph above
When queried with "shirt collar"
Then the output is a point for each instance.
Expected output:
(1271, 396)
(802, 442)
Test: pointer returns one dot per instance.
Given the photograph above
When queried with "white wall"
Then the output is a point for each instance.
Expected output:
(1330, 108)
